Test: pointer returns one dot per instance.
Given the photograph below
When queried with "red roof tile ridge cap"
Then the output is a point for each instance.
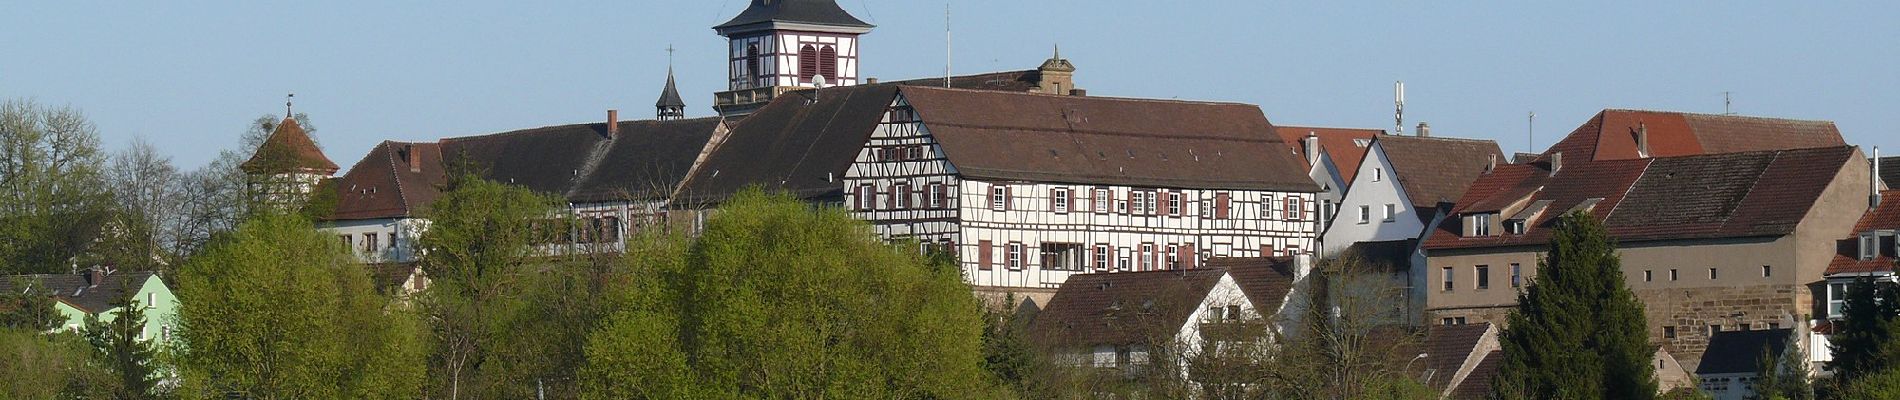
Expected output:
(1437, 138)
(1752, 183)
(1089, 97)
(1241, 138)
(523, 131)
(396, 177)
(1731, 116)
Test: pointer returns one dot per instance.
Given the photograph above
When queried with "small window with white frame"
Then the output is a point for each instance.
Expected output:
(1365, 214)
(1015, 260)
(999, 197)
(1059, 200)
(1174, 203)
(1174, 257)
(1102, 255)
(1391, 212)
(1101, 201)
(1147, 257)
(936, 195)
(1869, 246)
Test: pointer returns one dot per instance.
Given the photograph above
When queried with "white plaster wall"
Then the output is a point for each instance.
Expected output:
(1375, 186)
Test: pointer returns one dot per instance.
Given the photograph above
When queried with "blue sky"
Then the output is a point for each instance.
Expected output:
(188, 76)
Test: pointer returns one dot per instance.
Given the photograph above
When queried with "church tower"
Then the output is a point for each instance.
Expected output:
(286, 168)
(779, 45)
(670, 107)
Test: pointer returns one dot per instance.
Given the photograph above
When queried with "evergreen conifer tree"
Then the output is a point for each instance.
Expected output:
(1864, 340)
(1578, 332)
(120, 346)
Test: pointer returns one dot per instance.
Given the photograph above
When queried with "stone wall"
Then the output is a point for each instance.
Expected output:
(1692, 312)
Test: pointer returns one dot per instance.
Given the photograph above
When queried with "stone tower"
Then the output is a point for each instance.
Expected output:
(286, 167)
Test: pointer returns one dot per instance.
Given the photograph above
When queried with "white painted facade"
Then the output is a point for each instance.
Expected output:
(772, 58)
(1015, 234)
(599, 227)
(1375, 209)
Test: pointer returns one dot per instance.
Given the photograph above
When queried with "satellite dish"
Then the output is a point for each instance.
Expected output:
(819, 81)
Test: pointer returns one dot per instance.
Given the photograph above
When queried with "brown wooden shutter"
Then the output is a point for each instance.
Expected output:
(1189, 259)
(984, 254)
(1266, 250)
(1220, 206)
(1009, 196)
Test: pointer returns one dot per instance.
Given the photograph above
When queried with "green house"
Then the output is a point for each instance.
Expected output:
(97, 292)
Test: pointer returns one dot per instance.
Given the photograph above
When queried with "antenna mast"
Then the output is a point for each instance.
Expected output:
(1530, 134)
(946, 44)
(1727, 104)
(1398, 112)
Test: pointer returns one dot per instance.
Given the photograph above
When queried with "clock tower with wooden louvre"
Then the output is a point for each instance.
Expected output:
(781, 45)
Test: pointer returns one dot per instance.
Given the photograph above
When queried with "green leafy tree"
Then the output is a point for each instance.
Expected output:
(1578, 332)
(778, 299)
(36, 365)
(481, 260)
(1865, 340)
(52, 198)
(1884, 384)
(278, 310)
(28, 307)
(1784, 375)
(119, 345)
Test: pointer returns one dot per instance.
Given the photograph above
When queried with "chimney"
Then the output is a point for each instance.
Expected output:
(1079, 92)
(1491, 164)
(95, 276)
(1424, 129)
(1642, 140)
(1312, 149)
(1873, 181)
(613, 123)
(870, 81)
(1556, 162)
(415, 157)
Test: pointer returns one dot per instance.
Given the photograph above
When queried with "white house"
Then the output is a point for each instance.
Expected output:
(1332, 156)
(1029, 189)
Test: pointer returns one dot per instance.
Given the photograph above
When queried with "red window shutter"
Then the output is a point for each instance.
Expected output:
(984, 254)
(1220, 206)
(807, 62)
(943, 192)
(1188, 259)
(1009, 196)
(828, 62)
(1266, 250)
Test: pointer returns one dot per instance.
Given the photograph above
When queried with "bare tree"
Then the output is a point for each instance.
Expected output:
(145, 185)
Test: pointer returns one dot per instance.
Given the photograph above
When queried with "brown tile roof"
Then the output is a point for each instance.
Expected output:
(1611, 135)
(1477, 384)
(1007, 81)
(1122, 308)
(1752, 194)
(1447, 347)
(389, 277)
(800, 144)
(1735, 352)
(73, 289)
(1435, 170)
(1346, 146)
(1890, 171)
(577, 161)
(1101, 140)
(1847, 257)
(1388, 255)
(1265, 281)
(287, 149)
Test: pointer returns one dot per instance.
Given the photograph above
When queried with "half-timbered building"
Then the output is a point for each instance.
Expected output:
(1028, 189)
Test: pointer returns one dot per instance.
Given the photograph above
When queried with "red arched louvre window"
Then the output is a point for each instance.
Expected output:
(828, 62)
(807, 62)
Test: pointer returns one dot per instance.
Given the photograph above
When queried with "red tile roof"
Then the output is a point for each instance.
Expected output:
(1447, 347)
(1750, 194)
(1611, 135)
(289, 149)
(1477, 384)
(1103, 140)
(1346, 146)
(382, 185)
(1120, 308)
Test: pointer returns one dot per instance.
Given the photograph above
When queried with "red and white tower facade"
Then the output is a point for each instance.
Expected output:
(780, 45)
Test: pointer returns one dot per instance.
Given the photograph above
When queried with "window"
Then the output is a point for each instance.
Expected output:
(1481, 225)
(1101, 257)
(1673, 276)
(828, 62)
(1452, 321)
(1669, 332)
(1153, 203)
(1140, 200)
(1015, 260)
(1293, 212)
(1649, 276)
(1869, 246)
(1121, 259)
(1447, 278)
(1714, 329)
(916, 153)
(369, 243)
(936, 195)
(1365, 214)
(900, 196)
(1390, 211)
(1266, 207)
(1101, 201)
(1483, 273)
(1174, 203)
(866, 195)
(999, 197)
(1378, 174)
(1174, 257)
(1059, 200)
(391, 236)
(1836, 298)
(165, 333)
(807, 62)
(1767, 271)
(1517, 275)
(1147, 257)
(1064, 256)
(348, 241)
(1711, 273)
(1514, 227)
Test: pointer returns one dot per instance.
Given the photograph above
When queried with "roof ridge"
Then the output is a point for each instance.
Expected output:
(1438, 138)
(396, 177)
(1647, 163)
(1734, 116)
(1090, 97)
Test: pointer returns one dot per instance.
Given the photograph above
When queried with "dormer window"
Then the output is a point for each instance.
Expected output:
(1480, 224)
(1514, 227)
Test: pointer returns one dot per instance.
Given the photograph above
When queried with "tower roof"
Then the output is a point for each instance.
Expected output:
(670, 97)
(1057, 63)
(763, 13)
(288, 149)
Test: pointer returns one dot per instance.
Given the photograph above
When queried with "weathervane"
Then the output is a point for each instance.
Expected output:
(287, 100)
